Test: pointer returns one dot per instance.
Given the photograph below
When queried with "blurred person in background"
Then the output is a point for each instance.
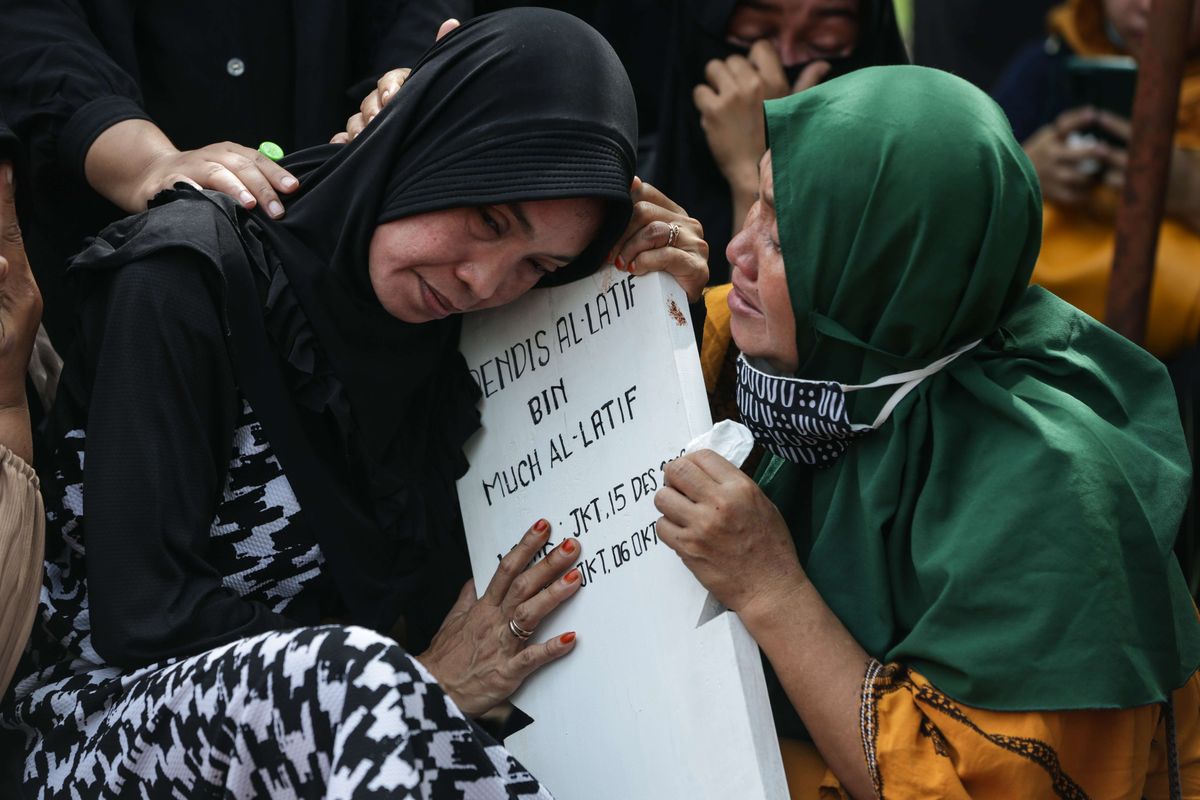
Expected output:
(1082, 176)
(725, 58)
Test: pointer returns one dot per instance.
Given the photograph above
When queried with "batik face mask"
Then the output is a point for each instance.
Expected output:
(806, 422)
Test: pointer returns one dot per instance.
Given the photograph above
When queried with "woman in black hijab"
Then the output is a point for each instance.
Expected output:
(273, 414)
(710, 37)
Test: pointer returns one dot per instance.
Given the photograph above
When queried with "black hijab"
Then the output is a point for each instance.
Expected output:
(682, 165)
(368, 414)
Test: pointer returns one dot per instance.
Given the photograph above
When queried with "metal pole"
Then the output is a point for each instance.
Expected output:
(1160, 72)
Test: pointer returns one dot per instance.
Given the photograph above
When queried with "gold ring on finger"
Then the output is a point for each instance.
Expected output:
(518, 631)
(673, 235)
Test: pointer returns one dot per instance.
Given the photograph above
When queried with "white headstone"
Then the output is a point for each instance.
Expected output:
(589, 390)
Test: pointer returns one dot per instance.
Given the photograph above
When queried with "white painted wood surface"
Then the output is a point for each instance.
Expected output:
(590, 388)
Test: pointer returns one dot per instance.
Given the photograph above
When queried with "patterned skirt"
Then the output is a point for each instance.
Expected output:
(323, 712)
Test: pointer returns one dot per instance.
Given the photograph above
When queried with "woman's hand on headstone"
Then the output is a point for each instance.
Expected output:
(648, 246)
(477, 656)
(728, 533)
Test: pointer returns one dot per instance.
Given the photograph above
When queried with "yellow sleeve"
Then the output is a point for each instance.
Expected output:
(717, 335)
(22, 536)
(920, 743)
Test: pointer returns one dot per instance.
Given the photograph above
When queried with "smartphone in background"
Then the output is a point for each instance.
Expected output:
(1106, 83)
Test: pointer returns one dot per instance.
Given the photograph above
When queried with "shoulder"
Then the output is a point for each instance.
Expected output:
(162, 265)
(172, 290)
(161, 308)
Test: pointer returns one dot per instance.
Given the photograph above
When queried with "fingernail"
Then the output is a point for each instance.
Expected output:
(246, 198)
(568, 546)
(619, 263)
(386, 92)
(567, 638)
(541, 526)
(275, 208)
(573, 576)
(8, 174)
(289, 182)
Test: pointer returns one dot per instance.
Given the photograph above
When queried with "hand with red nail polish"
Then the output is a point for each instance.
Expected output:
(480, 656)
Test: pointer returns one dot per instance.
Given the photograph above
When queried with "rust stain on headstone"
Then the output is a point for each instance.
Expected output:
(676, 314)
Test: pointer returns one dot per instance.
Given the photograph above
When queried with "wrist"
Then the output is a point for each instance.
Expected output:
(433, 667)
(742, 175)
(776, 604)
(120, 164)
(15, 433)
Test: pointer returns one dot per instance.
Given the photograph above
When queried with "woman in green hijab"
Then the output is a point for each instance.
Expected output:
(958, 559)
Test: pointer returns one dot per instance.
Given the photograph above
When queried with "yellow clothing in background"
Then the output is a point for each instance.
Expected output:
(920, 743)
(717, 336)
(1078, 246)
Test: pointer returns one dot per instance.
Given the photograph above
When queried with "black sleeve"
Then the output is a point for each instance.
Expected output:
(160, 422)
(59, 88)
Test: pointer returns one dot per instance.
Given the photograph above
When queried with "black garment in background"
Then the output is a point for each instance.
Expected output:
(682, 164)
(1032, 89)
(366, 414)
(194, 84)
(975, 39)
(70, 69)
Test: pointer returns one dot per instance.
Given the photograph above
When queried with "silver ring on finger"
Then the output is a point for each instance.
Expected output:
(518, 631)
(673, 235)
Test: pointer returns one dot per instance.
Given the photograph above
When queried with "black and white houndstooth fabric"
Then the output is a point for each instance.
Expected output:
(317, 712)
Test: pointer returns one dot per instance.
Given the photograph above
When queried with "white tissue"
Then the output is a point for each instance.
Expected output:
(728, 439)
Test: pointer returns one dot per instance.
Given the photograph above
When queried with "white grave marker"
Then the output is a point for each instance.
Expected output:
(589, 389)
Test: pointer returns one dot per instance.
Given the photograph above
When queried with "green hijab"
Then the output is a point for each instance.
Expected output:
(1008, 532)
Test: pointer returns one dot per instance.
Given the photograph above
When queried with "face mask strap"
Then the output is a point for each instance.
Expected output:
(911, 380)
(913, 374)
